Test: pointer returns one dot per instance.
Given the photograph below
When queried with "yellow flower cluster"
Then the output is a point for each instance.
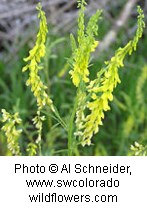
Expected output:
(34, 58)
(102, 87)
(37, 121)
(138, 149)
(37, 86)
(31, 149)
(12, 134)
(86, 45)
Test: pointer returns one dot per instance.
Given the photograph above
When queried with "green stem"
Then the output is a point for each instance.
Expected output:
(70, 129)
(39, 147)
(60, 120)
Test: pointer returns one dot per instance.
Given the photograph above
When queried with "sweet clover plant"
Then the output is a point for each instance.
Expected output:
(92, 96)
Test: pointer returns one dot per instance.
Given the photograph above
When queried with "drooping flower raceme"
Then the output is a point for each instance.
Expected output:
(81, 50)
(86, 45)
(11, 132)
(99, 91)
(33, 60)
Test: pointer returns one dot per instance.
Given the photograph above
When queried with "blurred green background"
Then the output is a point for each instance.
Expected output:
(124, 124)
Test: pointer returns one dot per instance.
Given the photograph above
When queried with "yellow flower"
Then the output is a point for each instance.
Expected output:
(33, 60)
(101, 89)
(86, 45)
(12, 134)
